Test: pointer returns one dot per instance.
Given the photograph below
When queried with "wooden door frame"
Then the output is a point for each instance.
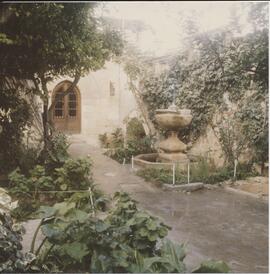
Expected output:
(64, 85)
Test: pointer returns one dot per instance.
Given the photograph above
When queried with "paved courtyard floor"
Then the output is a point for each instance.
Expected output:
(215, 224)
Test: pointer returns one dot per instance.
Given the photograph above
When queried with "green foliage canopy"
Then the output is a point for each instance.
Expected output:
(54, 39)
(219, 63)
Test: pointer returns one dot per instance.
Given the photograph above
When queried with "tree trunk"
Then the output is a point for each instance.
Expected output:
(262, 167)
(45, 124)
(143, 109)
(45, 113)
(46, 109)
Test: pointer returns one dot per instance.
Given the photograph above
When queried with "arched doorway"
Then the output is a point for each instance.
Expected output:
(66, 113)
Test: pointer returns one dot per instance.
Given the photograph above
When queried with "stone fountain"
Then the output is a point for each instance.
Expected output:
(172, 149)
(172, 152)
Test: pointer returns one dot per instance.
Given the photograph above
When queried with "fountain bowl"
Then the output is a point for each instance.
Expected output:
(173, 120)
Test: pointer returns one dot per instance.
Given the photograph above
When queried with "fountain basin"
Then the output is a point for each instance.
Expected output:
(173, 120)
(173, 157)
(152, 160)
(149, 160)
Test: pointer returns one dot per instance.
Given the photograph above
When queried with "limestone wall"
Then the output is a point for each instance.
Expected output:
(208, 146)
(105, 101)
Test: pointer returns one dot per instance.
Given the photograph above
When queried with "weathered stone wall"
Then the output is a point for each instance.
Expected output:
(208, 145)
(105, 101)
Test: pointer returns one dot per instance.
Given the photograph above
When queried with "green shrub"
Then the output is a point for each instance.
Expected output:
(24, 209)
(57, 154)
(216, 175)
(132, 148)
(246, 170)
(74, 175)
(159, 176)
(201, 172)
(89, 244)
(135, 130)
(22, 186)
(15, 116)
(28, 158)
(27, 188)
(144, 230)
(121, 152)
(103, 139)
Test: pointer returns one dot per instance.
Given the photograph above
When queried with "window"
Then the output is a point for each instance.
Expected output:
(59, 105)
(72, 104)
(112, 89)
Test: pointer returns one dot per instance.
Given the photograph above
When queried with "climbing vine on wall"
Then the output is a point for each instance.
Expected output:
(220, 63)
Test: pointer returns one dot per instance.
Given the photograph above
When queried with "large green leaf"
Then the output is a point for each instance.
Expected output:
(149, 262)
(45, 212)
(76, 250)
(101, 226)
(63, 208)
(100, 263)
(169, 248)
(212, 267)
(143, 232)
(75, 215)
(173, 256)
(55, 232)
(152, 236)
(151, 224)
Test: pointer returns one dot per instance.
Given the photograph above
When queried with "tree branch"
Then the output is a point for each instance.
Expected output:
(35, 81)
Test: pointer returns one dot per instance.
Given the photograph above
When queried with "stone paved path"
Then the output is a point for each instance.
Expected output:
(215, 224)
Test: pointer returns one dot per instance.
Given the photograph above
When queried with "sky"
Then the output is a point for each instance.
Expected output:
(164, 17)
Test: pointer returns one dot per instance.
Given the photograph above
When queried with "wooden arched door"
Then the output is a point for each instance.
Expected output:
(66, 113)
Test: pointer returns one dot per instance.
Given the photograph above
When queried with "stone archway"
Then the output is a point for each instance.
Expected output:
(66, 113)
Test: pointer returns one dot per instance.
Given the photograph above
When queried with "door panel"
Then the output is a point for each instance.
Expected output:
(66, 114)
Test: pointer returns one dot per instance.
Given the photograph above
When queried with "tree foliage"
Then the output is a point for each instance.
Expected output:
(43, 41)
(53, 39)
(15, 116)
(218, 64)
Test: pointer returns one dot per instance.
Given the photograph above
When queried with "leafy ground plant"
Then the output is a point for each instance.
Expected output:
(44, 187)
(127, 240)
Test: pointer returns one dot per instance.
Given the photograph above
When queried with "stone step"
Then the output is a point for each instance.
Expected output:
(77, 138)
(184, 187)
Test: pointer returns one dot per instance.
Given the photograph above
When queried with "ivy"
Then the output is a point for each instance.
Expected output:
(217, 64)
